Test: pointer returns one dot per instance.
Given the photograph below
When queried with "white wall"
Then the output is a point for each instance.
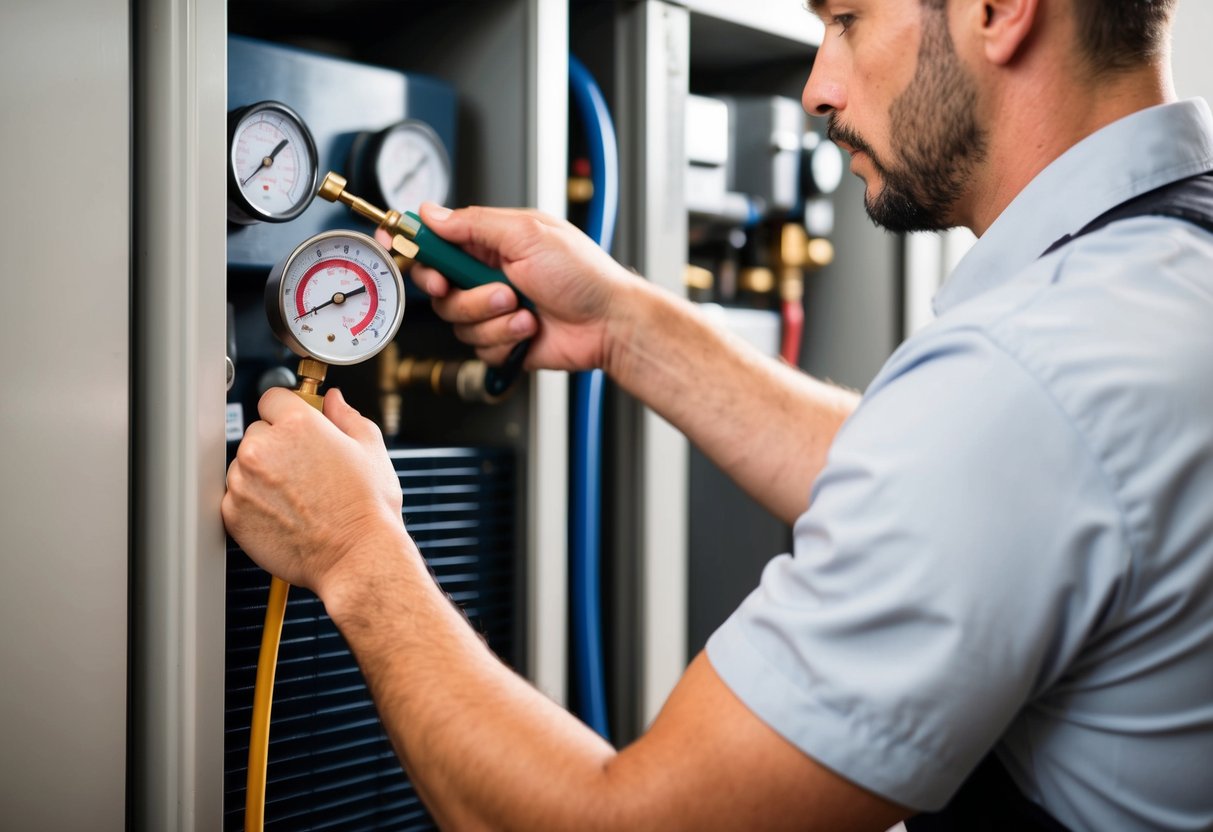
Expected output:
(1191, 59)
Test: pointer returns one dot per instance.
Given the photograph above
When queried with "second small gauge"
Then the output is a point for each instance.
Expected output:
(407, 164)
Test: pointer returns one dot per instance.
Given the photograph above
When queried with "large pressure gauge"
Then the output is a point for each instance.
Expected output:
(271, 165)
(404, 165)
(337, 298)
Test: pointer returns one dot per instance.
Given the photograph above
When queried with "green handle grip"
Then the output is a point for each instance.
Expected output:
(461, 268)
(466, 272)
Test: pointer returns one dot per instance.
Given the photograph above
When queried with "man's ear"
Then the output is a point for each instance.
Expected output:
(1003, 27)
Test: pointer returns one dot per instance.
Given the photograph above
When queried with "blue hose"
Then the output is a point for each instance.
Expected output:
(588, 387)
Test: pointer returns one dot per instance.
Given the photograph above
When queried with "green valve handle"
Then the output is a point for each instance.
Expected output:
(461, 268)
(466, 272)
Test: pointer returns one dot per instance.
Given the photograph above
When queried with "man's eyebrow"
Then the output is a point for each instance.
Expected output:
(817, 7)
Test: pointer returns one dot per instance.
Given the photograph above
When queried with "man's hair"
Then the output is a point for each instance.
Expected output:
(1122, 34)
(1115, 35)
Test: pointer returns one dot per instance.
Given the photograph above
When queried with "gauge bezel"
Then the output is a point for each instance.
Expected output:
(277, 311)
(374, 146)
(240, 209)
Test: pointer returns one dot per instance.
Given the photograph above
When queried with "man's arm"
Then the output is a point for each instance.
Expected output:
(484, 748)
(767, 425)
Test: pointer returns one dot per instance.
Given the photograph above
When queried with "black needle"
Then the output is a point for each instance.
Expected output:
(409, 174)
(338, 297)
(266, 161)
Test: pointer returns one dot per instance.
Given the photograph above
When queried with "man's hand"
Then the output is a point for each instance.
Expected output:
(575, 286)
(308, 492)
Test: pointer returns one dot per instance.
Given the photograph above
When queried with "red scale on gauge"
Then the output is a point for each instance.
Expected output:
(338, 298)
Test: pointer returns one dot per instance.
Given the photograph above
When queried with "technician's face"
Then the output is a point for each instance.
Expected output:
(916, 168)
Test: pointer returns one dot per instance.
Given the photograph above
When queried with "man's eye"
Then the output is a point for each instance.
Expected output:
(844, 21)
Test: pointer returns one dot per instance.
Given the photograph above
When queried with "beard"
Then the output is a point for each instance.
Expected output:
(941, 140)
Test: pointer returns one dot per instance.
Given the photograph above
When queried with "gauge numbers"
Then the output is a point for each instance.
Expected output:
(272, 164)
(338, 298)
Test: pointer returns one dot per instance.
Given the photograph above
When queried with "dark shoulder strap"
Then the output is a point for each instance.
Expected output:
(1188, 199)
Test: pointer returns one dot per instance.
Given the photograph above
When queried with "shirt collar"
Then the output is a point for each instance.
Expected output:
(1129, 157)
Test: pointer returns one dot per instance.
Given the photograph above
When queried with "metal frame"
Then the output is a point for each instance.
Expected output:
(548, 461)
(180, 328)
(653, 74)
(65, 411)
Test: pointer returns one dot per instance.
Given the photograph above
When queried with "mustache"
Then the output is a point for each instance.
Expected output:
(839, 133)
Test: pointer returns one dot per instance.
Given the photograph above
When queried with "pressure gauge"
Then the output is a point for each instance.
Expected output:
(337, 298)
(407, 164)
(272, 164)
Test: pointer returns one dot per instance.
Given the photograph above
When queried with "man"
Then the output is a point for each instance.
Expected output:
(1009, 545)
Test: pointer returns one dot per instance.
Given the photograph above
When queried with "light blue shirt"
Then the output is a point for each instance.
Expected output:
(1011, 544)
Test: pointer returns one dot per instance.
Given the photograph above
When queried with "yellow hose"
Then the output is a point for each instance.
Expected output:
(311, 376)
(263, 698)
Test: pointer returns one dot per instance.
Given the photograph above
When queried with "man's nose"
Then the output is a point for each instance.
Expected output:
(824, 92)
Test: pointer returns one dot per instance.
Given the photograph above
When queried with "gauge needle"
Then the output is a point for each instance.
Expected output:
(266, 161)
(338, 298)
(410, 173)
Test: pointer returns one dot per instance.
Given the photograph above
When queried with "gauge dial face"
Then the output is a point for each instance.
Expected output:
(272, 164)
(338, 298)
(411, 166)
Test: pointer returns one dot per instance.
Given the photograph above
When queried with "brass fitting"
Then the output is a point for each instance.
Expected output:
(793, 244)
(791, 284)
(464, 379)
(757, 279)
(580, 189)
(820, 253)
(311, 375)
(333, 189)
(390, 404)
(697, 277)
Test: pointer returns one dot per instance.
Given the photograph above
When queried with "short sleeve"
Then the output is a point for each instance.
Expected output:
(960, 547)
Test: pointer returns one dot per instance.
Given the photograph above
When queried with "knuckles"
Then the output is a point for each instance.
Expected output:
(256, 460)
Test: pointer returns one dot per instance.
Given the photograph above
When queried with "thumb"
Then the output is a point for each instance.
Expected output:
(348, 420)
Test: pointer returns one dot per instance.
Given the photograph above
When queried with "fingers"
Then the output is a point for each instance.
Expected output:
(510, 231)
(348, 420)
(279, 403)
(501, 331)
(481, 303)
(431, 281)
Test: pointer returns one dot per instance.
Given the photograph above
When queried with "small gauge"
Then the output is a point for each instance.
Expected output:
(406, 164)
(337, 298)
(272, 164)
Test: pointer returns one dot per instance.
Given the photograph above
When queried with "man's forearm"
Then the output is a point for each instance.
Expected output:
(482, 746)
(487, 751)
(767, 425)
